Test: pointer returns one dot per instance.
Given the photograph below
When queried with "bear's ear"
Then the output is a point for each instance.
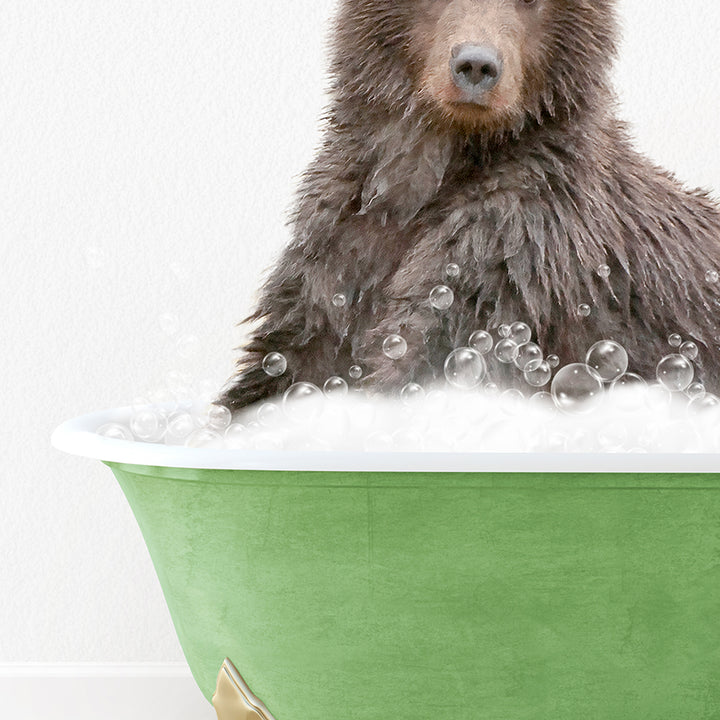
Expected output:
(409, 167)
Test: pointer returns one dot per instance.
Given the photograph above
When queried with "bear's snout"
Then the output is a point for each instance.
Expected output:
(475, 69)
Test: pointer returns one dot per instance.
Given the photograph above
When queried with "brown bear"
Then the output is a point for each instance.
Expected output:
(480, 133)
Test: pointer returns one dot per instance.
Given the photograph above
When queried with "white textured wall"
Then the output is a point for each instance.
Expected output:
(149, 150)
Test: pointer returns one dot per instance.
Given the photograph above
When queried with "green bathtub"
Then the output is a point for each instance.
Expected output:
(426, 586)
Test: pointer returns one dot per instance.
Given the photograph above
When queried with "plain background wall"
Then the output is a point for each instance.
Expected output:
(149, 150)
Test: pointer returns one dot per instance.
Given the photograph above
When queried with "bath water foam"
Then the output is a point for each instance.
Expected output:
(596, 405)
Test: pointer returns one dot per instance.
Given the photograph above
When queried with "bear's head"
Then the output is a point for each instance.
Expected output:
(476, 65)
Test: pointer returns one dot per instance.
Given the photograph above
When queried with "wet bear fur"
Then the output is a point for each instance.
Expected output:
(529, 195)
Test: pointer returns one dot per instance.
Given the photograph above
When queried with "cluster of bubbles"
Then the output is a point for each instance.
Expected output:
(441, 419)
(179, 413)
(620, 411)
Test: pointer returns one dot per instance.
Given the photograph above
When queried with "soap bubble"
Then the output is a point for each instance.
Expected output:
(441, 297)
(628, 381)
(608, 358)
(355, 372)
(394, 347)
(302, 402)
(339, 300)
(335, 387)
(520, 333)
(115, 431)
(695, 389)
(553, 360)
(169, 323)
(267, 414)
(529, 356)
(147, 425)
(584, 310)
(205, 437)
(712, 276)
(675, 340)
(412, 393)
(542, 400)
(539, 375)
(452, 270)
(465, 368)
(624, 390)
(274, 364)
(218, 417)
(236, 436)
(576, 388)
(482, 341)
(675, 372)
(689, 349)
(506, 351)
(179, 426)
(504, 330)
(512, 401)
(603, 271)
(702, 403)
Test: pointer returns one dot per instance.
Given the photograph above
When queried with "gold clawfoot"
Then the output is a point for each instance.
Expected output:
(233, 699)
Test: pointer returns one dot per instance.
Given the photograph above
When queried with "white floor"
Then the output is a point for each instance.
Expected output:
(110, 692)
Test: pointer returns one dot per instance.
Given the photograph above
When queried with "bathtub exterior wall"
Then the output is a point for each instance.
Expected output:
(415, 595)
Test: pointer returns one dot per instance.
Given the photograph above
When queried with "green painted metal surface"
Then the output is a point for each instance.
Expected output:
(360, 596)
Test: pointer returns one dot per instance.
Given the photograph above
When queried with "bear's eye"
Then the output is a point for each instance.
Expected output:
(527, 2)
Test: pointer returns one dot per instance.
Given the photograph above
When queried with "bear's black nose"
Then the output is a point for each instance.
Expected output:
(475, 68)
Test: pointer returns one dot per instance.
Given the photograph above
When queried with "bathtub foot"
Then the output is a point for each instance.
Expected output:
(233, 699)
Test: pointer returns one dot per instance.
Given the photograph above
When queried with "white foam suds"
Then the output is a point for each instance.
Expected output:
(634, 420)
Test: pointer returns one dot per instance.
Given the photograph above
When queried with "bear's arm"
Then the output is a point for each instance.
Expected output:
(295, 314)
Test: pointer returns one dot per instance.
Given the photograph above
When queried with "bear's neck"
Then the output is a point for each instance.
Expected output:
(408, 160)
(490, 149)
